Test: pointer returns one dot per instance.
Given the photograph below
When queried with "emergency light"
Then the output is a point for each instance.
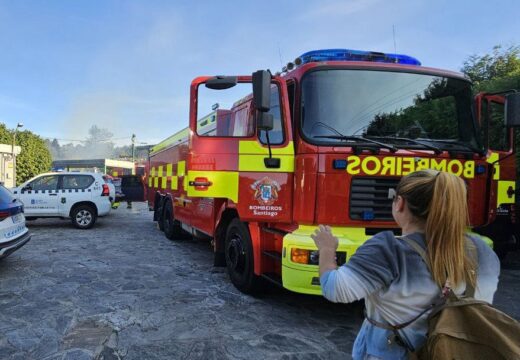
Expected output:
(355, 55)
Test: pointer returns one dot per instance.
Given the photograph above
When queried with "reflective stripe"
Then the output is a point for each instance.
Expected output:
(181, 168)
(256, 163)
(224, 184)
(255, 147)
(502, 193)
(251, 155)
(174, 182)
(164, 181)
(176, 138)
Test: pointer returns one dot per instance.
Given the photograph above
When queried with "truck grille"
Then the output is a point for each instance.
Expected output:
(370, 198)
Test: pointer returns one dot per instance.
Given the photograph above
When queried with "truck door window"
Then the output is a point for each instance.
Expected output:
(275, 135)
(225, 113)
(497, 133)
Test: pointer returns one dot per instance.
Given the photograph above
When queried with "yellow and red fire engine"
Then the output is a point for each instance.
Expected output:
(260, 167)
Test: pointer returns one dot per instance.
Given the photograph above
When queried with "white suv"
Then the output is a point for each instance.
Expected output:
(82, 197)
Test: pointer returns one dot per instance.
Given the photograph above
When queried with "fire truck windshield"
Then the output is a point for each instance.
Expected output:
(429, 111)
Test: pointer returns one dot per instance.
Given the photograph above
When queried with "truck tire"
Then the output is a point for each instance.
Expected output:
(158, 214)
(83, 216)
(172, 228)
(238, 250)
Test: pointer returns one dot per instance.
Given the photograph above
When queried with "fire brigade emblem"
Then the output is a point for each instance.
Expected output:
(266, 191)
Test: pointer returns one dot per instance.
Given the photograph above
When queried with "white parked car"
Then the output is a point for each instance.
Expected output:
(82, 197)
(13, 232)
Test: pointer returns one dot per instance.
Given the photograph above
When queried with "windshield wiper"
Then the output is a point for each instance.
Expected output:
(358, 138)
(458, 143)
(428, 146)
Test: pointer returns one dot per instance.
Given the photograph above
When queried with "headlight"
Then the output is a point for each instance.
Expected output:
(312, 257)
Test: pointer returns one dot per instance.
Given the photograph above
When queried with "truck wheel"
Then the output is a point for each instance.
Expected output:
(83, 216)
(239, 257)
(172, 228)
(158, 214)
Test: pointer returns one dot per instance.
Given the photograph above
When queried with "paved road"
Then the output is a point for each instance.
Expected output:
(122, 290)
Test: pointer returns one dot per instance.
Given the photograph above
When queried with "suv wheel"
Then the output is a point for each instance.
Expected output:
(83, 216)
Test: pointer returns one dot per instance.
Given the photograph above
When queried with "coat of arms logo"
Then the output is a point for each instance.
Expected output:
(266, 191)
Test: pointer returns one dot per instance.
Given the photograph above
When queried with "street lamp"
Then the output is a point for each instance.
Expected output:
(19, 125)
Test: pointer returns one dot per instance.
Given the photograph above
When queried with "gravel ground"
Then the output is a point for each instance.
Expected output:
(122, 290)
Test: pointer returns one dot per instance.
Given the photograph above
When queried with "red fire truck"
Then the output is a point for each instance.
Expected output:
(325, 142)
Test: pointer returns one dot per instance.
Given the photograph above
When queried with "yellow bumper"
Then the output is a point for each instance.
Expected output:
(303, 278)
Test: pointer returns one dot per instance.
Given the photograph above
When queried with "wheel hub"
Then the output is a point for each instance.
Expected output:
(83, 217)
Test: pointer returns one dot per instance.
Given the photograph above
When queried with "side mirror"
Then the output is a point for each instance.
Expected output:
(512, 110)
(262, 90)
(264, 121)
(27, 187)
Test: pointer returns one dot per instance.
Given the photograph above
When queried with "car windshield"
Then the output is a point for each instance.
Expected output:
(340, 106)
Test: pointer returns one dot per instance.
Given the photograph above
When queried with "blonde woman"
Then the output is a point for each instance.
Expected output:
(431, 209)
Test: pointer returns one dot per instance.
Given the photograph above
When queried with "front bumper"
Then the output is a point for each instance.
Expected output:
(11, 246)
(303, 278)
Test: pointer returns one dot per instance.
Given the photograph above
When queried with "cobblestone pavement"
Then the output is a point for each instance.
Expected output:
(122, 290)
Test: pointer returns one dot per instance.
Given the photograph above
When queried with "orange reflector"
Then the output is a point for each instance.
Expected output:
(300, 256)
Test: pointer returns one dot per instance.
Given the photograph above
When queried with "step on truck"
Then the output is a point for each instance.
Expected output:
(267, 158)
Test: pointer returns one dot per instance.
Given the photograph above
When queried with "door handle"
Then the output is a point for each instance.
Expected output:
(53, 194)
(200, 182)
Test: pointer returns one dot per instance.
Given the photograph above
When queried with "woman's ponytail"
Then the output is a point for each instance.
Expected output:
(439, 199)
(446, 225)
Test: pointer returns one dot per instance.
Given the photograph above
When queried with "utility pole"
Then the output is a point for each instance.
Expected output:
(133, 148)
(19, 125)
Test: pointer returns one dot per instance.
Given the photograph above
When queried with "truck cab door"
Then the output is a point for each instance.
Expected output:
(502, 168)
(227, 152)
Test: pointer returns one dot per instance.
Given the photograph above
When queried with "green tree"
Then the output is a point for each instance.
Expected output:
(35, 157)
(500, 67)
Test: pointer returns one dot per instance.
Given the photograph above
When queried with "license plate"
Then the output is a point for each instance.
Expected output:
(17, 218)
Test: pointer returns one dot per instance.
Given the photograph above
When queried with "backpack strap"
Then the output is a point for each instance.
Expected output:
(418, 249)
(471, 249)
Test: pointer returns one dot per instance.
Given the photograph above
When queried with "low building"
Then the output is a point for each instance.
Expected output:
(7, 164)
(105, 166)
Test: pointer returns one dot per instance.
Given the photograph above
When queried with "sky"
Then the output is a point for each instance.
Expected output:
(126, 66)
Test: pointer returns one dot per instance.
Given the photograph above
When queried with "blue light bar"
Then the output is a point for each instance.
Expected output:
(355, 55)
